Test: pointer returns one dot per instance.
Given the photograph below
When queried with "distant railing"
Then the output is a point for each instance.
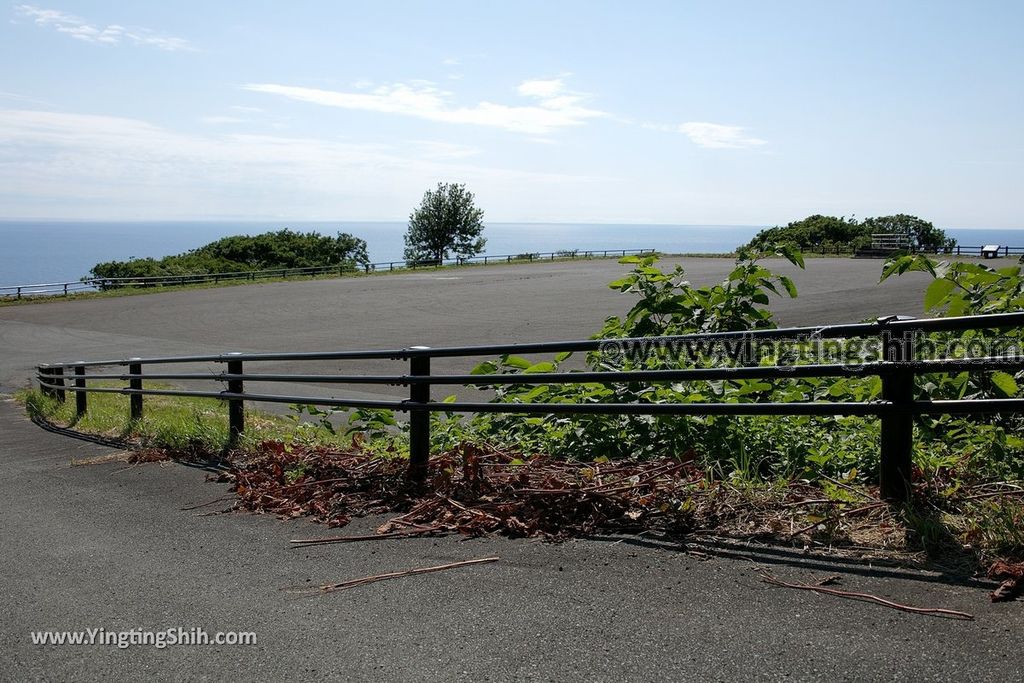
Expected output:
(102, 283)
(897, 368)
(842, 250)
(978, 251)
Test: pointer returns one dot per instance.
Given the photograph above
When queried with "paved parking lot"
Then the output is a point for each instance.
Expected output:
(104, 546)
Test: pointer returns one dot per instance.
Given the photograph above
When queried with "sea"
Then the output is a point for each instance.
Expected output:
(38, 251)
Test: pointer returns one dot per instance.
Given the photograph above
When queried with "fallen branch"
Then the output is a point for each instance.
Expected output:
(1008, 493)
(313, 483)
(344, 585)
(304, 542)
(867, 597)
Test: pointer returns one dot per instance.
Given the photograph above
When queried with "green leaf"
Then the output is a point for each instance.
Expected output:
(516, 362)
(485, 368)
(532, 395)
(936, 292)
(1005, 383)
(788, 284)
(897, 265)
(839, 388)
(622, 284)
(544, 366)
(792, 254)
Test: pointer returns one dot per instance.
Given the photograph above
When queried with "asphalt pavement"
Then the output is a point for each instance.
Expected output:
(117, 547)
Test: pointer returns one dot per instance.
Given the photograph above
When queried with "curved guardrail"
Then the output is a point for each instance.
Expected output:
(897, 367)
(100, 283)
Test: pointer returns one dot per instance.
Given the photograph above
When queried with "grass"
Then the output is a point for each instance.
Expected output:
(175, 423)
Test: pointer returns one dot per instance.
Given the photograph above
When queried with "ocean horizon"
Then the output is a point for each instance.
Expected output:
(37, 251)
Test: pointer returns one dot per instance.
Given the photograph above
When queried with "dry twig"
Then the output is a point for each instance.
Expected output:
(352, 583)
(304, 542)
(867, 597)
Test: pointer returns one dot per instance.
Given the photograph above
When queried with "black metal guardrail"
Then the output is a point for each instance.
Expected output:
(1003, 250)
(100, 283)
(896, 368)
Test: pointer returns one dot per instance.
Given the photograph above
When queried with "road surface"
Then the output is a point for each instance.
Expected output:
(105, 546)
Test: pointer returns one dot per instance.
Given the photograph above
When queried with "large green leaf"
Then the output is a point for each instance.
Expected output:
(1005, 383)
(936, 292)
(792, 254)
(788, 284)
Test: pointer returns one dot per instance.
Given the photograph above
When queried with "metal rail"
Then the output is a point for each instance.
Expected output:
(94, 284)
(101, 283)
(959, 250)
(897, 370)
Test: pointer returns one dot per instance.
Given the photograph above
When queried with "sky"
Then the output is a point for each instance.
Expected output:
(749, 113)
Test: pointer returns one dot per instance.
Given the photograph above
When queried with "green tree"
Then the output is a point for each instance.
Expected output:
(923, 235)
(446, 221)
(237, 253)
(829, 232)
(812, 232)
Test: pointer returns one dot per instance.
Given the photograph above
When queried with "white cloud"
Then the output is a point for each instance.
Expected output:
(718, 136)
(541, 88)
(111, 34)
(555, 107)
(55, 164)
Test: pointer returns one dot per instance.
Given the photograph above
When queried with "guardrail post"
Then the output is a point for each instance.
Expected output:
(58, 379)
(81, 397)
(135, 383)
(419, 420)
(44, 379)
(236, 407)
(897, 425)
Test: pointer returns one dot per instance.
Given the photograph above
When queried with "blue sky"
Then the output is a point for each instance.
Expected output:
(645, 112)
